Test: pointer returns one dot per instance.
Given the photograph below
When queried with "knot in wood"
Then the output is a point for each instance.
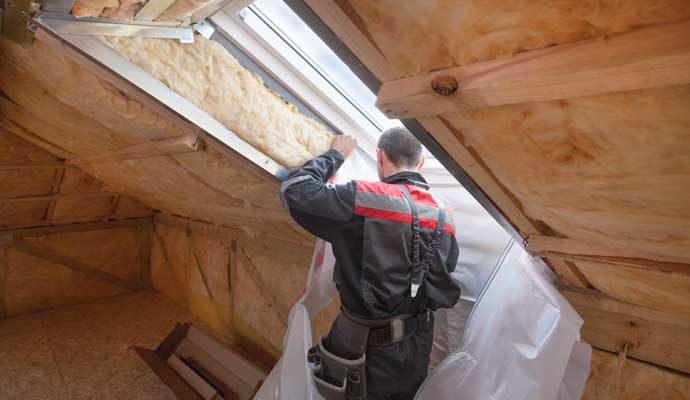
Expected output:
(445, 85)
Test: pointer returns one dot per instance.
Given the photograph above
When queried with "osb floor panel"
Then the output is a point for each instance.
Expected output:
(85, 351)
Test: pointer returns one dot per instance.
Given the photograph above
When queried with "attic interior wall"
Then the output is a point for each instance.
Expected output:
(57, 105)
(243, 286)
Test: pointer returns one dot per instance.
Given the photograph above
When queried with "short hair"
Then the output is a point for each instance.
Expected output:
(401, 147)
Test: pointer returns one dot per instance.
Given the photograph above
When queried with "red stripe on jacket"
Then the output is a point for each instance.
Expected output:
(418, 194)
(402, 217)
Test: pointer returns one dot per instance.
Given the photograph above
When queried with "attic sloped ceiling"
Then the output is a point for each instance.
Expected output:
(39, 189)
(597, 183)
(58, 105)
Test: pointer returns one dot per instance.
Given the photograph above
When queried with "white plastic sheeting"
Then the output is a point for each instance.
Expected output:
(522, 337)
(518, 343)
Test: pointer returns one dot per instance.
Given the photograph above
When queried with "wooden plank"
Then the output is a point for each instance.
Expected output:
(32, 165)
(341, 24)
(221, 232)
(443, 134)
(152, 9)
(145, 233)
(651, 265)
(81, 227)
(655, 336)
(540, 244)
(270, 295)
(3, 281)
(74, 264)
(56, 195)
(152, 148)
(642, 59)
(59, 176)
(133, 92)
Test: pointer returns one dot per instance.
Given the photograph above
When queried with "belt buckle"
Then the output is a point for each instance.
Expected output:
(397, 330)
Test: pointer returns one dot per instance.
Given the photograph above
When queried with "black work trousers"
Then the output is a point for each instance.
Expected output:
(396, 371)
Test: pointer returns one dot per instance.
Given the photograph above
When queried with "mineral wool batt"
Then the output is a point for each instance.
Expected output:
(208, 76)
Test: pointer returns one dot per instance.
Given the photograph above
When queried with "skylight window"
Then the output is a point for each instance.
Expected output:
(279, 26)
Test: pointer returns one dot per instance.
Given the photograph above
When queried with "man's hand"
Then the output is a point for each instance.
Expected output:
(345, 144)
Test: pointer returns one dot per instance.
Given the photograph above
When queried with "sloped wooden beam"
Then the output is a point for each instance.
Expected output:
(358, 42)
(654, 336)
(441, 131)
(75, 265)
(56, 195)
(642, 59)
(540, 244)
(34, 165)
(50, 211)
(7, 236)
(3, 281)
(153, 148)
(341, 24)
(135, 93)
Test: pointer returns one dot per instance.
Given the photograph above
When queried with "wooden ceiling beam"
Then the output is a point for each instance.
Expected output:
(645, 264)
(540, 244)
(442, 132)
(35, 165)
(152, 148)
(367, 52)
(654, 336)
(133, 92)
(76, 265)
(50, 197)
(646, 58)
(50, 211)
(8, 235)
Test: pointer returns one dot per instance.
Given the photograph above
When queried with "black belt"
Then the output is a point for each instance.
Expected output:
(391, 330)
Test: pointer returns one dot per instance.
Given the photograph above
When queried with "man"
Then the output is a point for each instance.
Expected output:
(395, 249)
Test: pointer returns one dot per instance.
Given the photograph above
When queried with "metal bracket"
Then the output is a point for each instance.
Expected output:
(58, 6)
(205, 29)
(15, 17)
(66, 24)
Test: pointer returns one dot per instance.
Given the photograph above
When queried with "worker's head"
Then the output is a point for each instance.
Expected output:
(398, 151)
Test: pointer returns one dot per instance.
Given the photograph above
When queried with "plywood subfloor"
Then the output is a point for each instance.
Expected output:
(85, 351)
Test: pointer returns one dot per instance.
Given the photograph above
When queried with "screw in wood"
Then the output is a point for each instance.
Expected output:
(445, 85)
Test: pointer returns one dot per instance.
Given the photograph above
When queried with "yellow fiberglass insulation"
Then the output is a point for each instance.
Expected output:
(208, 76)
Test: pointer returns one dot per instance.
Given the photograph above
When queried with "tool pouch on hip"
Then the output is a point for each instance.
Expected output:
(341, 376)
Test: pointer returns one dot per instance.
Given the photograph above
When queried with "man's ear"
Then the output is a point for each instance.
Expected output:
(421, 163)
(379, 156)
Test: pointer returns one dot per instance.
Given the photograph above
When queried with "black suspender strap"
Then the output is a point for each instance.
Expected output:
(420, 268)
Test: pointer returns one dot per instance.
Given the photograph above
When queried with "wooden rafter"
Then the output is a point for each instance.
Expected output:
(137, 94)
(340, 23)
(642, 59)
(654, 336)
(50, 211)
(3, 281)
(577, 248)
(35, 165)
(52, 196)
(269, 294)
(8, 235)
(152, 148)
(74, 264)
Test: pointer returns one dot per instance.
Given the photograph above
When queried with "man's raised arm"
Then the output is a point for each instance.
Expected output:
(314, 203)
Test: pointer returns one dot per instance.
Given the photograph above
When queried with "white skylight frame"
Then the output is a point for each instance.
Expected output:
(254, 31)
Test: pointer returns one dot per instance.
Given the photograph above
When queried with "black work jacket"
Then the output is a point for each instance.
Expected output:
(369, 226)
